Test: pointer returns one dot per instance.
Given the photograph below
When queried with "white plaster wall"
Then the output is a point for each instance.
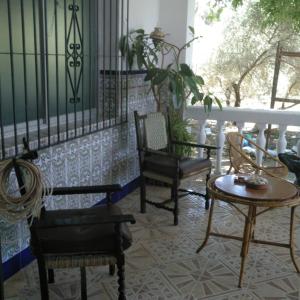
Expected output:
(174, 18)
(144, 14)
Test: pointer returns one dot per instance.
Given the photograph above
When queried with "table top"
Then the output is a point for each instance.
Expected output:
(278, 193)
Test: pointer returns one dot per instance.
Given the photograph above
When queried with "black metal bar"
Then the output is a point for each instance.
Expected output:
(116, 60)
(24, 70)
(47, 72)
(36, 74)
(66, 68)
(90, 68)
(104, 63)
(110, 62)
(12, 75)
(75, 70)
(56, 73)
(127, 32)
(82, 67)
(122, 33)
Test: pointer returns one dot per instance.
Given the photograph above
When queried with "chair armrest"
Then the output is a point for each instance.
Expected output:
(160, 153)
(83, 221)
(195, 145)
(86, 189)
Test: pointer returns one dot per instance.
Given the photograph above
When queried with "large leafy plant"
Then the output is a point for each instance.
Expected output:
(151, 54)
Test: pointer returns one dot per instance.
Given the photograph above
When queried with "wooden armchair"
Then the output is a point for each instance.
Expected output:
(69, 238)
(241, 162)
(159, 162)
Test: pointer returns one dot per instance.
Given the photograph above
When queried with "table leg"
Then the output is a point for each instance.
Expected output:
(292, 252)
(254, 223)
(246, 240)
(208, 229)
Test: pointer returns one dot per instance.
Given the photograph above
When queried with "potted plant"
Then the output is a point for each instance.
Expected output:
(151, 52)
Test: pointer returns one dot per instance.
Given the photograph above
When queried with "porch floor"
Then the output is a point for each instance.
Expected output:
(162, 262)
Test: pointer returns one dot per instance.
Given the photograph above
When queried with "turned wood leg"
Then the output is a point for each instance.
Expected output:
(207, 193)
(83, 283)
(208, 229)
(175, 198)
(43, 279)
(246, 241)
(50, 276)
(143, 194)
(121, 277)
(292, 244)
(112, 269)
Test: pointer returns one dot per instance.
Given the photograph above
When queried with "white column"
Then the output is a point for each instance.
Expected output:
(240, 126)
(261, 141)
(281, 143)
(201, 136)
(220, 143)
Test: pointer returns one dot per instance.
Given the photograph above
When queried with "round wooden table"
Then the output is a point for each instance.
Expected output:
(279, 193)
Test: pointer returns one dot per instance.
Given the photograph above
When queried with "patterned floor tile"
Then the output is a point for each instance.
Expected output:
(162, 262)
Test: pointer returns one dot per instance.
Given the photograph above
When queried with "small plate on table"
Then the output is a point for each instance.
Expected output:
(257, 182)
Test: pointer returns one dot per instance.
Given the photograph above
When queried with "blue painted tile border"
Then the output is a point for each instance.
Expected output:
(22, 259)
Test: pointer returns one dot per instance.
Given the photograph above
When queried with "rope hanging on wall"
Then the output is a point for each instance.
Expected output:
(13, 205)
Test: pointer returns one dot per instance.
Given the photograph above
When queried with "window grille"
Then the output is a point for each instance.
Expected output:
(61, 75)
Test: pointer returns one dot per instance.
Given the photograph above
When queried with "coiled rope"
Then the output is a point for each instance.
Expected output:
(15, 206)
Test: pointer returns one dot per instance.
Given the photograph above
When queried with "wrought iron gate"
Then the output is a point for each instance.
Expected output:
(61, 75)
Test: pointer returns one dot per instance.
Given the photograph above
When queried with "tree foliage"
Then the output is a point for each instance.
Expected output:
(244, 62)
(274, 12)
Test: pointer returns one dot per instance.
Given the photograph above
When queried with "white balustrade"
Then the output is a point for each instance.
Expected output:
(261, 117)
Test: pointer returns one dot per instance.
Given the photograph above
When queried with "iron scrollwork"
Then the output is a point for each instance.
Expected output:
(74, 51)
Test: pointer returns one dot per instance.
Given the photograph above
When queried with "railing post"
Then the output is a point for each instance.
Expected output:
(261, 141)
(201, 136)
(240, 126)
(281, 143)
(220, 144)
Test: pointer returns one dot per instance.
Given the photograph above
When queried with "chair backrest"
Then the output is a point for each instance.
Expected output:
(152, 131)
(156, 131)
(242, 162)
(236, 154)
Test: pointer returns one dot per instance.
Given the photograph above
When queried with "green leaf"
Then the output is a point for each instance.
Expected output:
(207, 102)
(200, 80)
(123, 45)
(140, 31)
(192, 30)
(151, 74)
(194, 100)
(160, 77)
(130, 57)
(186, 70)
(217, 100)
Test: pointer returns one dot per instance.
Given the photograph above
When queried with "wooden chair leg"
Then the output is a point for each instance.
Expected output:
(51, 276)
(143, 194)
(206, 192)
(175, 198)
(112, 269)
(83, 283)
(121, 277)
(43, 278)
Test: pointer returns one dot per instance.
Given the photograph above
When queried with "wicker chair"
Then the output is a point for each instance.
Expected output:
(158, 161)
(69, 238)
(241, 162)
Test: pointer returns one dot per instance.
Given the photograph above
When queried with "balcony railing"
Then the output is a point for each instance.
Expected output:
(261, 117)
